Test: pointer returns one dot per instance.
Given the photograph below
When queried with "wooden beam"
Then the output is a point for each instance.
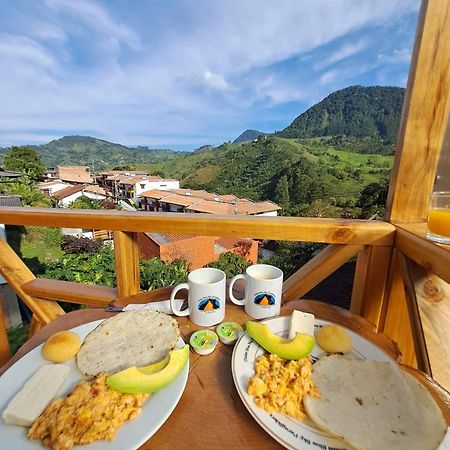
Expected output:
(425, 115)
(317, 269)
(370, 283)
(435, 258)
(5, 352)
(16, 273)
(82, 294)
(126, 252)
(394, 320)
(35, 326)
(420, 348)
(333, 231)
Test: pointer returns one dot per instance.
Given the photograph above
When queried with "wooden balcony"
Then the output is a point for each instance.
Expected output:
(401, 281)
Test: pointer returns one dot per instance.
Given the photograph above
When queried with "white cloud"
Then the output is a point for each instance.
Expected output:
(83, 67)
(214, 81)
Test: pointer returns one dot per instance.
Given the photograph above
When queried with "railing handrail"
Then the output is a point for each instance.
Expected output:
(307, 229)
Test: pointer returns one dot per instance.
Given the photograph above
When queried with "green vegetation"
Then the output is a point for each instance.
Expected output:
(95, 153)
(24, 160)
(231, 264)
(372, 113)
(157, 274)
(84, 202)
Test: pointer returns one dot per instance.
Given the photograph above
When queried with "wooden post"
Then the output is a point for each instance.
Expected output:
(126, 251)
(425, 116)
(5, 353)
(369, 285)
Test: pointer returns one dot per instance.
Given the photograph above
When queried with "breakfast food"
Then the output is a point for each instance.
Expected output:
(133, 338)
(61, 347)
(297, 348)
(280, 385)
(204, 342)
(90, 412)
(374, 405)
(334, 339)
(229, 332)
(145, 379)
(35, 395)
(301, 322)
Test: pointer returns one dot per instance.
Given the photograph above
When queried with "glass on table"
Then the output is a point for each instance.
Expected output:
(438, 223)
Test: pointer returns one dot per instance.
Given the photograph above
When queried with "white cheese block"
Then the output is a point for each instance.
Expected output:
(28, 404)
(301, 322)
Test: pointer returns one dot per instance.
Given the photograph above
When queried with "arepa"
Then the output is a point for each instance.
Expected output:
(374, 405)
(131, 338)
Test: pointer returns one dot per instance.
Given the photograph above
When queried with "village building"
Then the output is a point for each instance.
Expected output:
(70, 174)
(68, 195)
(51, 187)
(197, 251)
(199, 201)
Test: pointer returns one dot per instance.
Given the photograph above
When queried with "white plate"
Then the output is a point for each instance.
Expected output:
(289, 432)
(131, 435)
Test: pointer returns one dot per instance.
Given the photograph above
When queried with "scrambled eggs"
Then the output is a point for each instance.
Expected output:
(90, 412)
(279, 385)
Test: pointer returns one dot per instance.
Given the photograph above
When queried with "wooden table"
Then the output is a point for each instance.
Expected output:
(210, 414)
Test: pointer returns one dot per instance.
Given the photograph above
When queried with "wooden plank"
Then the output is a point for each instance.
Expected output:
(425, 114)
(333, 231)
(420, 349)
(317, 269)
(126, 252)
(83, 294)
(370, 283)
(435, 258)
(394, 321)
(16, 273)
(433, 299)
(35, 326)
(5, 353)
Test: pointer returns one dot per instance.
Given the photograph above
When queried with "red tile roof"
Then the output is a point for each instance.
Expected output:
(75, 174)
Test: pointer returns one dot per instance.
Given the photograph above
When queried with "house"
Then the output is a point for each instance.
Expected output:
(68, 195)
(133, 187)
(70, 174)
(107, 178)
(199, 201)
(51, 187)
(197, 251)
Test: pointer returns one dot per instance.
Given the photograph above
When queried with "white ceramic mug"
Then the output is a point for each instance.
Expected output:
(263, 289)
(206, 298)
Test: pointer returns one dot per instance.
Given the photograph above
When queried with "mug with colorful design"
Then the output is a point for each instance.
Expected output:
(206, 298)
(263, 289)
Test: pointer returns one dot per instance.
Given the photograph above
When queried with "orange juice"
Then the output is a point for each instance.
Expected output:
(439, 221)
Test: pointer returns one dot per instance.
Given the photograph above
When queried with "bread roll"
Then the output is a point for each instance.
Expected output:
(61, 346)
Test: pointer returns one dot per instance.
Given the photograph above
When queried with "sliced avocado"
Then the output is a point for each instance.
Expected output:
(139, 380)
(296, 348)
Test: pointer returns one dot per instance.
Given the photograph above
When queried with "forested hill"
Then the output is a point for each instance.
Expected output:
(371, 113)
(248, 135)
(96, 153)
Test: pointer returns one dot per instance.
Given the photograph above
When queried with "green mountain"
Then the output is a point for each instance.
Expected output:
(95, 153)
(354, 115)
(248, 135)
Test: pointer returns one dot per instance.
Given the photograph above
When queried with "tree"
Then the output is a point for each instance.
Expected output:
(372, 199)
(26, 161)
(84, 202)
(282, 191)
(230, 263)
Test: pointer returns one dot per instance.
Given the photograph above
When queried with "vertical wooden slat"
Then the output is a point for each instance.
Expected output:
(425, 115)
(370, 283)
(35, 326)
(394, 320)
(317, 269)
(5, 353)
(16, 273)
(126, 252)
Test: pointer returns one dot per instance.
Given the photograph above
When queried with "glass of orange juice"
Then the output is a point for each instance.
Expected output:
(438, 223)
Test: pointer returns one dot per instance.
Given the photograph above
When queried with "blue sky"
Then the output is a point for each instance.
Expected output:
(184, 73)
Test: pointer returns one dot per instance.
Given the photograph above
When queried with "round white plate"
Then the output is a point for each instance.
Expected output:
(131, 435)
(289, 432)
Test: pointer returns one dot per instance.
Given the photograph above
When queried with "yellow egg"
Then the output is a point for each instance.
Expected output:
(334, 339)
(62, 346)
